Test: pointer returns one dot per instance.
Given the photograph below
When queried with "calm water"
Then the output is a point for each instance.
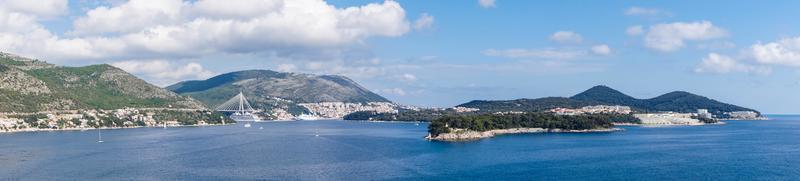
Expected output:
(348, 150)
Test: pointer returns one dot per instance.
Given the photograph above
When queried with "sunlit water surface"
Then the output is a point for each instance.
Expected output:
(357, 150)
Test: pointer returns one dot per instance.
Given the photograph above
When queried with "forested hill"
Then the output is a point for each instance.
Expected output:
(524, 105)
(677, 101)
(29, 85)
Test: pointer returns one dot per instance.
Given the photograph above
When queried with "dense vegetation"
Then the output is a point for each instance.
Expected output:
(705, 120)
(674, 101)
(527, 105)
(182, 117)
(89, 87)
(191, 118)
(607, 95)
(425, 115)
(92, 92)
(485, 122)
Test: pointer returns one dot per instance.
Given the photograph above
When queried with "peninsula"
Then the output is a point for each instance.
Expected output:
(465, 128)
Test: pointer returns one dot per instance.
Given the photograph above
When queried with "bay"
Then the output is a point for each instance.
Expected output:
(360, 150)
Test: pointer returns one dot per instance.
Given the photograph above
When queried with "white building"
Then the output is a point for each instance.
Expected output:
(703, 113)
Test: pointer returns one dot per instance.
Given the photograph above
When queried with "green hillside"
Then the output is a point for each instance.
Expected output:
(267, 89)
(28, 85)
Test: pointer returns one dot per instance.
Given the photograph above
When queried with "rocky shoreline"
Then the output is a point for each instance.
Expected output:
(103, 128)
(469, 135)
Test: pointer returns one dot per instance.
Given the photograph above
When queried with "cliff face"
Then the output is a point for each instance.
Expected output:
(28, 85)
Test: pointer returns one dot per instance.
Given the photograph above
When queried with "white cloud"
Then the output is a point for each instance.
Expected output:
(133, 16)
(548, 53)
(235, 9)
(672, 36)
(286, 68)
(406, 77)
(641, 11)
(716, 45)
(487, 3)
(716, 63)
(395, 91)
(785, 51)
(171, 29)
(634, 30)
(601, 49)
(39, 8)
(352, 69)
(163, 72)
(566, 37)
(425, 21)
(428, 57)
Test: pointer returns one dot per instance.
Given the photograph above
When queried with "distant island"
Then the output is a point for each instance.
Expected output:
(602, 105)
(465, 128)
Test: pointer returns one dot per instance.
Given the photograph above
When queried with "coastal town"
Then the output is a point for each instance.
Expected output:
(659, 118)
(117, 118)
(337, 110)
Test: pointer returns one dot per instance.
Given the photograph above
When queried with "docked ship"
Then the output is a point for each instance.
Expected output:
(306, 117)
(239, 109)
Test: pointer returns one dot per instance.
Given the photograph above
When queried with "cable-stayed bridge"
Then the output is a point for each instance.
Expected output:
(239, 107)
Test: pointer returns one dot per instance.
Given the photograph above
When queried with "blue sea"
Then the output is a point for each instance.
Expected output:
(358, 150)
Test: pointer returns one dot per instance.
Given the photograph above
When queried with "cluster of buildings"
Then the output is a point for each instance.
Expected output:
(50, 120)
(340, 109)
(703, 113)
(82, 119)
(751, 115)
(668, 118)
(465, 109)
(743, 115)
(593, 110)
(281, 114)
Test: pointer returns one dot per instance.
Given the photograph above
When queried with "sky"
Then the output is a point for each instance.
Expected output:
(435, 53)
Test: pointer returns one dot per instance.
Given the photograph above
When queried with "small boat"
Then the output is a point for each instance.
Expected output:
(247, 125)
(99, 136)
(261, 127)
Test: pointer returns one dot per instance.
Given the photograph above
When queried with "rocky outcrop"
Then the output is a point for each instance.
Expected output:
(469, 135)
(13, 79)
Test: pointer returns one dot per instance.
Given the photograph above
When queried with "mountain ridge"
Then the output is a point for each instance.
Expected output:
(675, 101)
(267, 89)
(30, 85)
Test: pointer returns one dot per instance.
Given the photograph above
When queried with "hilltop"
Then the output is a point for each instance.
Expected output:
(30, 85)
(677, 101)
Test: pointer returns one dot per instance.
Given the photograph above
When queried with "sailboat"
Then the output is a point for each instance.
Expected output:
(240, 109)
